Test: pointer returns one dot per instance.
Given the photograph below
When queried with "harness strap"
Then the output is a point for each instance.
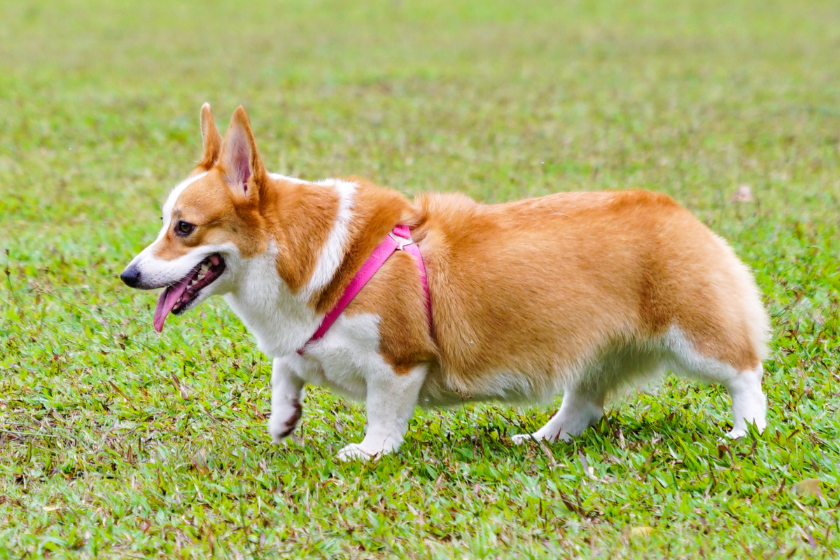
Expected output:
(398, 240)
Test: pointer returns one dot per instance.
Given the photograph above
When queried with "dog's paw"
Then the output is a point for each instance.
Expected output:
(537, 437)
(282, 423)
(357, 452)
(737, 433)
(520, 439)
(368, 449)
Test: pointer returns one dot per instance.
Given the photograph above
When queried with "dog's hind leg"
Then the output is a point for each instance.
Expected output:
(749, 405)
(579, 410)
(390, 401)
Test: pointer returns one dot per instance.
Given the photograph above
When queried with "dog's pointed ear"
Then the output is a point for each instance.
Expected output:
(240, 161)
(210, 137)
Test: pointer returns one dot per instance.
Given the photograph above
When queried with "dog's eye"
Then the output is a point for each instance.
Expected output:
(184, 228)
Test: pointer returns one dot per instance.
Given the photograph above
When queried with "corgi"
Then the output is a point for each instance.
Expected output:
(573, 293)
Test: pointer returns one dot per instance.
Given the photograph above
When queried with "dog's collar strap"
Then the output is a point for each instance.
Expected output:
(398, 240)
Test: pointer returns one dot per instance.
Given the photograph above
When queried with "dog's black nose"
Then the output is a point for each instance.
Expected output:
(131, 276)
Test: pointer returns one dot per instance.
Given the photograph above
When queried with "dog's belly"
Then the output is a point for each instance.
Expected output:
(509, 387)
(442, 389)
(609, 369)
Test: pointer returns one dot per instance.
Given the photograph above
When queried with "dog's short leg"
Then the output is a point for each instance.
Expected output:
(578, 411)
(286, 396)
(391, 399)
(749, 406)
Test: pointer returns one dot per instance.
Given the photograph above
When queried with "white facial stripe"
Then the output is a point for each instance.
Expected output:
(169, 205)
(279, 320)
(333, 250)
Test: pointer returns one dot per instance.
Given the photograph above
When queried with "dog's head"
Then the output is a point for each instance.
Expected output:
(211, 223)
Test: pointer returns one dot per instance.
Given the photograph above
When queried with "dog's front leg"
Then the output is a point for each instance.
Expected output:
(391, 399)
(286, 396)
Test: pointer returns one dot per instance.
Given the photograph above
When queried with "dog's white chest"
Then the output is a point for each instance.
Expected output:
(277, 318)
(347, 357)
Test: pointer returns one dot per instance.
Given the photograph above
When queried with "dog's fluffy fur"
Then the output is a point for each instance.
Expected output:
(573, 293)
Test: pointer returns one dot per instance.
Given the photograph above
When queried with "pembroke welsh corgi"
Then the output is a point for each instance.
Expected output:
(573, 293)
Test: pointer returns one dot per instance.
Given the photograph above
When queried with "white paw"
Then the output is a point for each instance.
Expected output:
(736, 433)
(282, 423)
(519, 439)
(537, 437)
(356, 452)
(365, 451)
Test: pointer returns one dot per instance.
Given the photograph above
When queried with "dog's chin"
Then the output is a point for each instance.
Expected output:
(218, 287)
(192, 303)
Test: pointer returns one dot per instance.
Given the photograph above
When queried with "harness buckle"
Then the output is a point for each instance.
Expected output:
(401, 241)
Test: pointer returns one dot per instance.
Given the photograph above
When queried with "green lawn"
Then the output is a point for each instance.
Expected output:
(119, 443)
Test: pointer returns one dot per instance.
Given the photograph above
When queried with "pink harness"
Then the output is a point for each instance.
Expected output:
(398, 240)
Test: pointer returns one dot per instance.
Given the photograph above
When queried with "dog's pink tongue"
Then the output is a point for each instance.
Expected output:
(167, 301)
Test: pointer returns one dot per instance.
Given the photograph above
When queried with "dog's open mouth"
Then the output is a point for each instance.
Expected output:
(177, 297)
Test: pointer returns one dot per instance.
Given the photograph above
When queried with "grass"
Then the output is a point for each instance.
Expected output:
(117, 443)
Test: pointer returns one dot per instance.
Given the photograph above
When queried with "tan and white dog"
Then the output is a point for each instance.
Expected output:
(573, 293)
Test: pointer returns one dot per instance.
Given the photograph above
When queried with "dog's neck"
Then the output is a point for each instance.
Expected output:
(318, 235)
